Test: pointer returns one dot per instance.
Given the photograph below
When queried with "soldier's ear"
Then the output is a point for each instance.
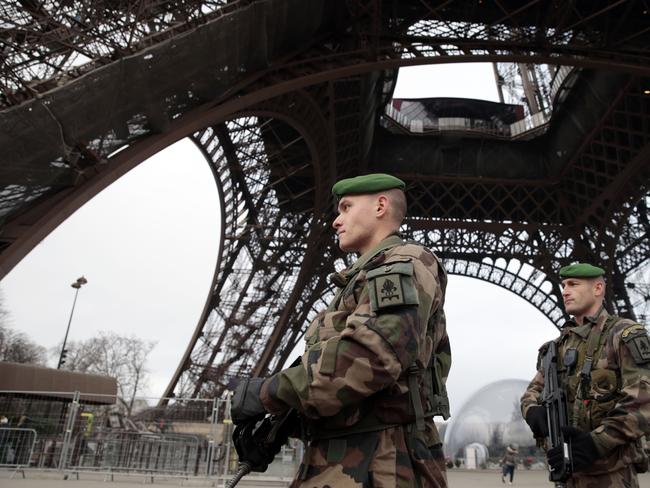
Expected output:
(381, 205)
(599, 287)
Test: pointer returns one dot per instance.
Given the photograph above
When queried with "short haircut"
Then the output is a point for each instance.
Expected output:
(397, 200)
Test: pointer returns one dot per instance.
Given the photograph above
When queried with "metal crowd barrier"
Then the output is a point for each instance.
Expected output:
(180, 437)
(140, 452)
(16, 446)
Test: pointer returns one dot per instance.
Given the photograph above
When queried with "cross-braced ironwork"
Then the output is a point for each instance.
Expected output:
(286, 96)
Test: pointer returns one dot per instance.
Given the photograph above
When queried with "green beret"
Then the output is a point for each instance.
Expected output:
(581, 270)
(371, 183)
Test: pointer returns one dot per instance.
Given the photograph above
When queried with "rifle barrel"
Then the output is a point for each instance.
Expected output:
(244, 469)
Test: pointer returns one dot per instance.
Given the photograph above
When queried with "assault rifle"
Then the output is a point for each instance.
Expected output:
(555, 401)
(258, 440)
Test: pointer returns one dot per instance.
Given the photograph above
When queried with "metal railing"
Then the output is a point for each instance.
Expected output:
(525, 126)
(140, 452)
(461, 124)
(185, 437)
(16, 446)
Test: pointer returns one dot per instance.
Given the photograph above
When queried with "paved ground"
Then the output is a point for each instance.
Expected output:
(523, 478)
(457, 479)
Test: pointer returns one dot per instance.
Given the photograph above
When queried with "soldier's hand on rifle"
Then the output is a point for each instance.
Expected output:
(246, 403)
(536, 420)
(249, 440)
(583, 449)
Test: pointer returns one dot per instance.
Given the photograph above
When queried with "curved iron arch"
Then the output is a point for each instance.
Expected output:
(227, 332)
(305, 72)
(532, 285)
(526, 282)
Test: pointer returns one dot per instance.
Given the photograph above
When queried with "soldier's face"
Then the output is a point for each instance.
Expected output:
(355, 224)
(580, 295)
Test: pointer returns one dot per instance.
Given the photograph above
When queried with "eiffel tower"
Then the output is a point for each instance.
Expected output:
(284, 97)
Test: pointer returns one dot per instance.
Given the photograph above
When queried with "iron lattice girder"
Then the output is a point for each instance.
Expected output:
(256, 156)
(525, 281)
(498, 259)
(524, 262)
(268, 224)
(450, 201)
(633, 247)
(529, 246)
(73, 143)
(78, 140)
(56, 39)
(256, 271)
(79, 146)
(578, 171)
(455, 245)
(49, 40)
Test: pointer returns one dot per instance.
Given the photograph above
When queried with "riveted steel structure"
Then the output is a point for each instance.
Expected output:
(284, 97)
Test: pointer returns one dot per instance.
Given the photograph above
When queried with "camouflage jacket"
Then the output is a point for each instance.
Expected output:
(359, 349)
(615, 405)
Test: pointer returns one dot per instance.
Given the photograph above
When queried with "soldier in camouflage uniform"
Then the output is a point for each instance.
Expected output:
(604, 362)
(376, 360)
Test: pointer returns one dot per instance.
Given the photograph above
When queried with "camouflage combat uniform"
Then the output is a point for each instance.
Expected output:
(352, 387)
(614, 405)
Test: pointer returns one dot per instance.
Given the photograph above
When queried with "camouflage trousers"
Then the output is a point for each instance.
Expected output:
(623, 478)
(388, 458)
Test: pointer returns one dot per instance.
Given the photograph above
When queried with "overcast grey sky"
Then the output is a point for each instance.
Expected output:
(148, 246)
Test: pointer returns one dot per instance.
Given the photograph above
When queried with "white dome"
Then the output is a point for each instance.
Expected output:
(490, 417)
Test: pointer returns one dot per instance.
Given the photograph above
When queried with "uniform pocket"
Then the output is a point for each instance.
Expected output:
(604, 395)
(603, 384)
(328, 358)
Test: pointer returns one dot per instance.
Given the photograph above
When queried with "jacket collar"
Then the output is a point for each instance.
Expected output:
(342, 278)
(589, 321)
(390, 241)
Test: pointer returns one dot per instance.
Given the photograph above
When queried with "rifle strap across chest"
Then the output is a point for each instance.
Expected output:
(594, 348)
(585, 373)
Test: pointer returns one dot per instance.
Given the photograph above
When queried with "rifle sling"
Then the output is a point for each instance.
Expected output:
(585, 372)
(416, 399)
(593, 344)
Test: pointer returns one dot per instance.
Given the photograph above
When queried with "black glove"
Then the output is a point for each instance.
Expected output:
(248, 438)
(536, 420)
(582, 447)
(246, 403)
(258, 441)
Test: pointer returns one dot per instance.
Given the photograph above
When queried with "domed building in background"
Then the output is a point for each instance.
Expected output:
(490, 417)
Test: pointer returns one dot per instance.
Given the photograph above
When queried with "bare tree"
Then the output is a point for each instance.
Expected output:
(16, 346)
(114, 355)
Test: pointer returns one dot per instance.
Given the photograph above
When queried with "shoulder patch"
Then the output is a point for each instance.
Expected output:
(391, 284)
(632, 330)
(638, 343)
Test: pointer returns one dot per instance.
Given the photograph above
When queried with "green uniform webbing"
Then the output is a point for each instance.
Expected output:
(433, 386)
(594, 349)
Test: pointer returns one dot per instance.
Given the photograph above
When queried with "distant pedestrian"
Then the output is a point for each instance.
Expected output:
(509, 463)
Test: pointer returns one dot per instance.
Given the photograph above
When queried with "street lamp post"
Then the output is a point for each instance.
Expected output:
(77, 286)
